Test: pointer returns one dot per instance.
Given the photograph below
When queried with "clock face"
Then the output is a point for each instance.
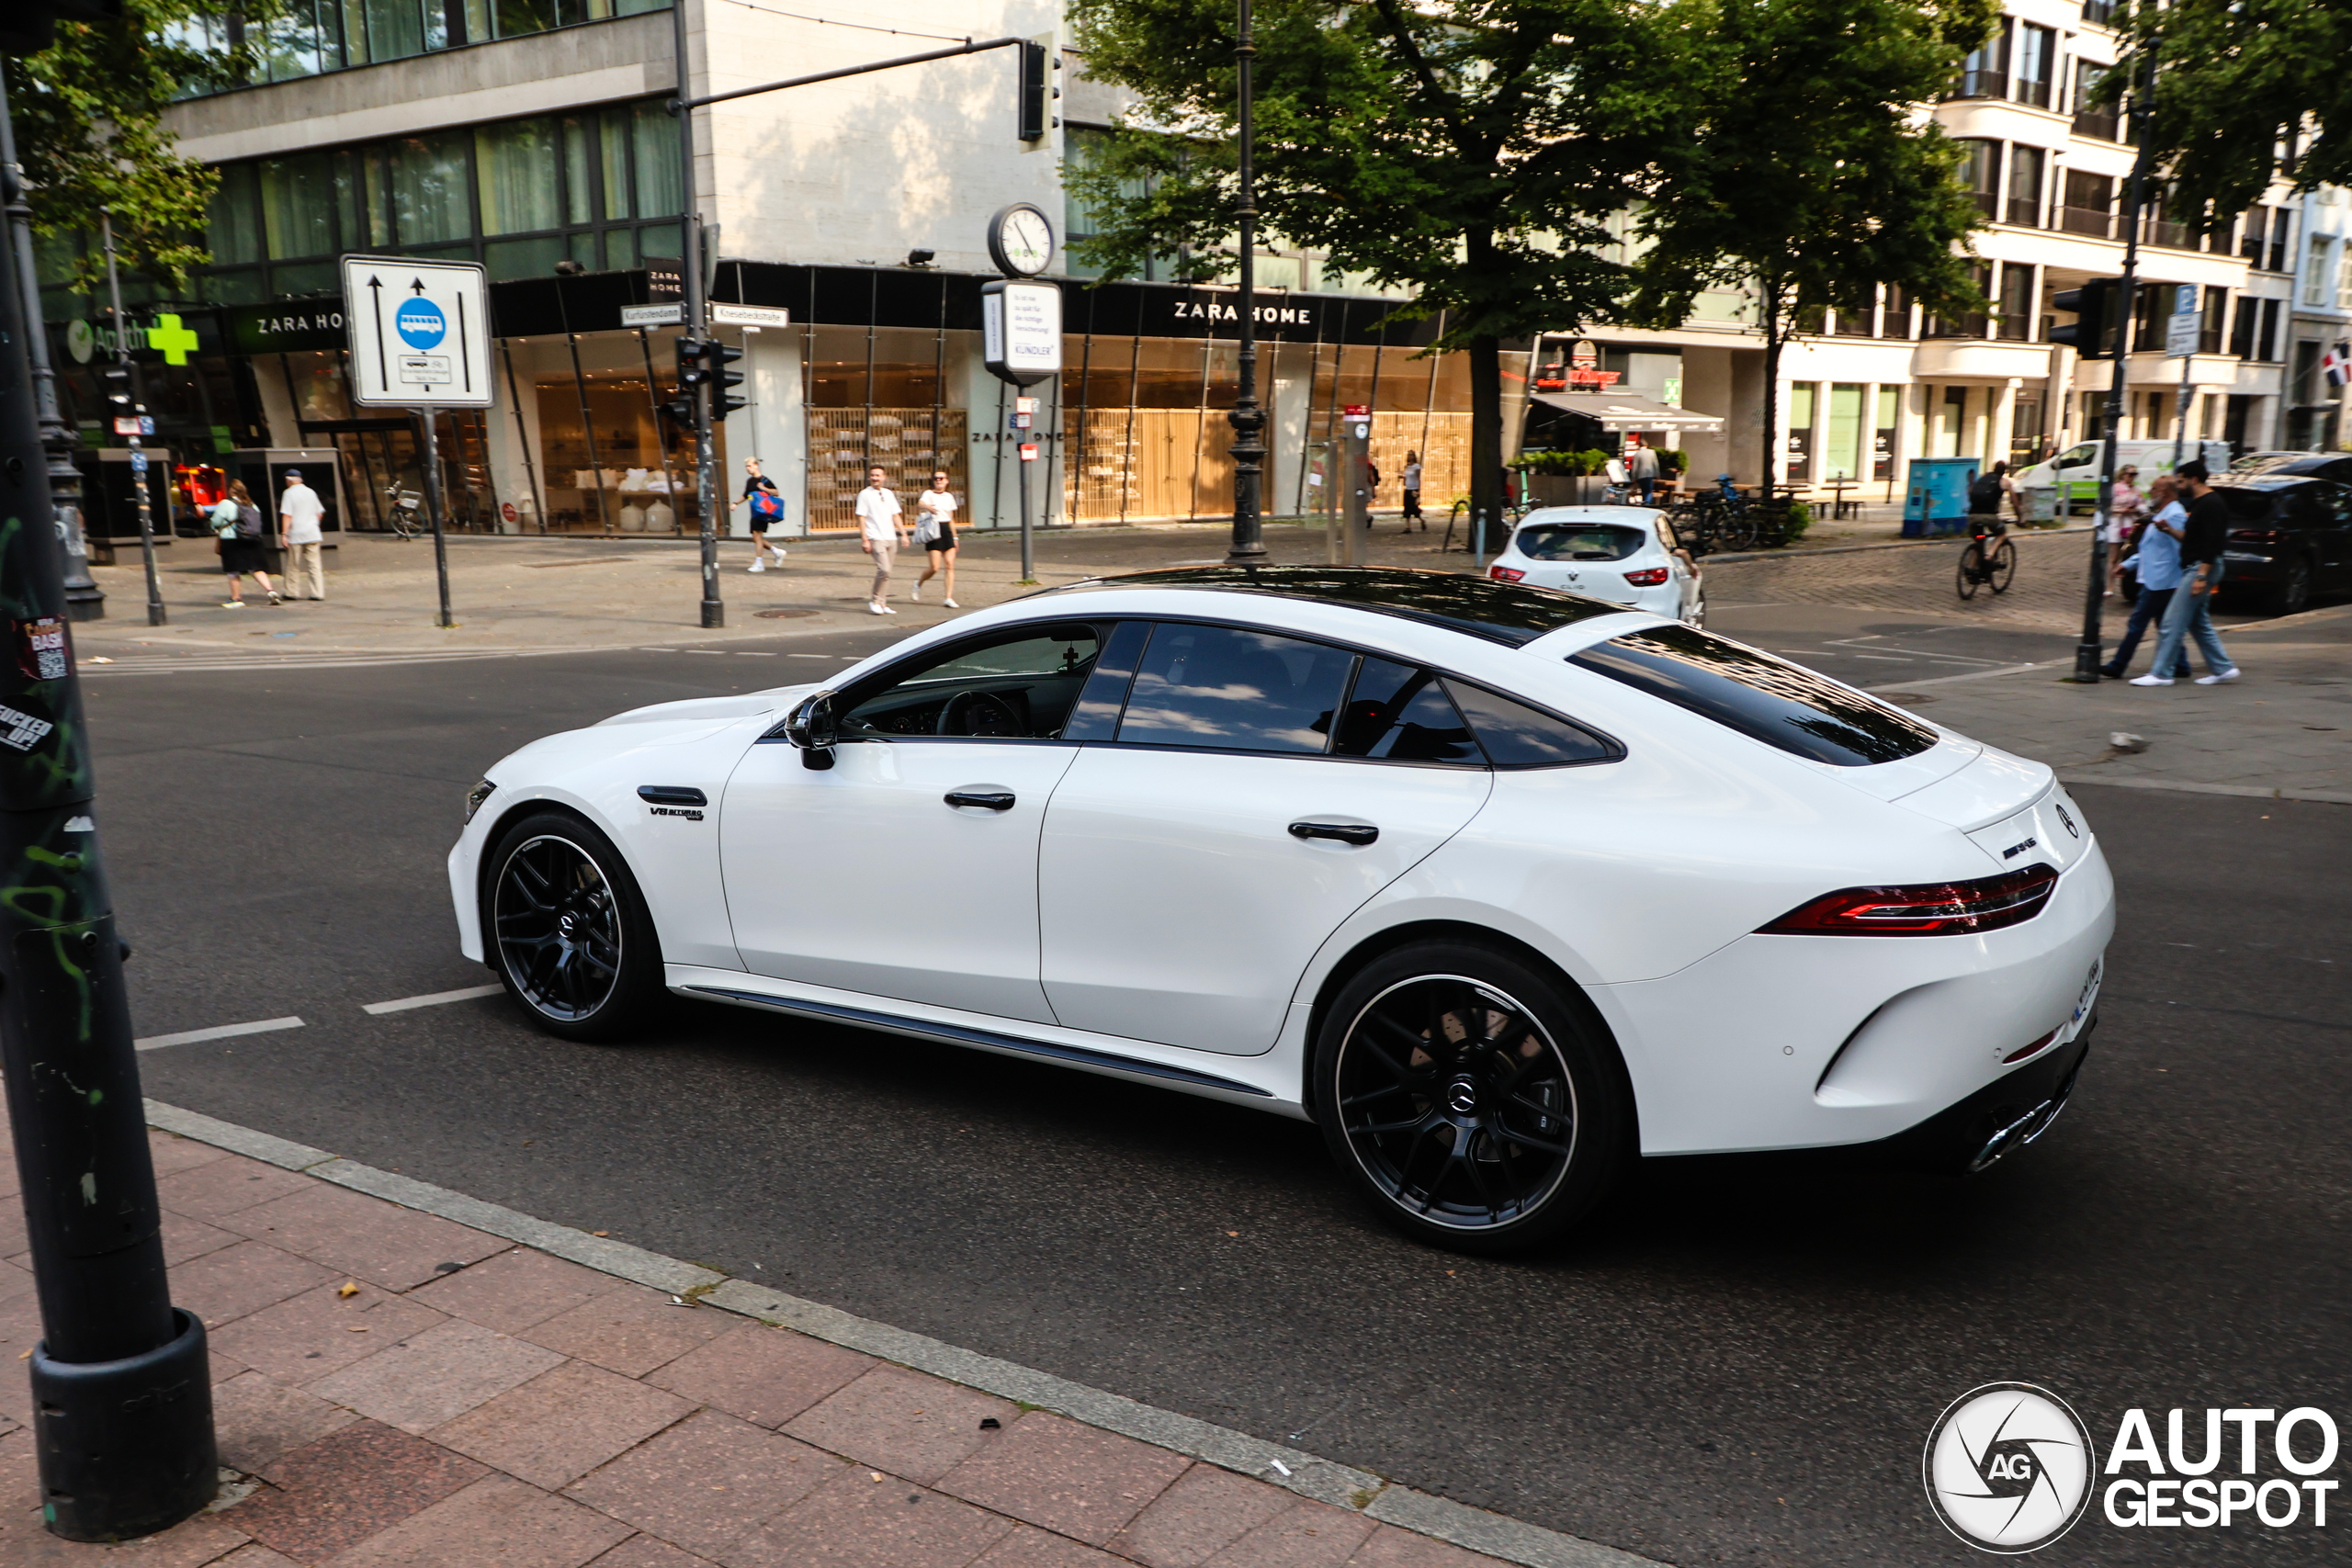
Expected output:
(1023, 241)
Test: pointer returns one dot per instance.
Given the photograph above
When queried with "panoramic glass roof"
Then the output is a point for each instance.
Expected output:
(1507, 613)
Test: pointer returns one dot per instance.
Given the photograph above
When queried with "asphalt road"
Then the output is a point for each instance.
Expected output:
(1738, 1363)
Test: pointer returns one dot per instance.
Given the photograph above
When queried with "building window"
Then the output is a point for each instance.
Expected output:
(2269, 351)
(2251, 237)
(518, 196)
(2016, 301)
(2243, 330)
(1984, 73)
(2098, 13)
(308, 37)
(2037, 60)
(1894, 321)
(2091, 120)
(2216, 312)
(2319, 271)
(2280, 220)
(2026, 166)
(2088, 206)
(1980, 173)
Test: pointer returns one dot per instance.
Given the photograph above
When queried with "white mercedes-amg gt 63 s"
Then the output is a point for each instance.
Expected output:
(1501, 886)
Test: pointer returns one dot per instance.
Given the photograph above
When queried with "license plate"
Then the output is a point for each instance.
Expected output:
(2090, 991)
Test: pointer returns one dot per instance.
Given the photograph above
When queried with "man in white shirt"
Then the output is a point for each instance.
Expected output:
(299, 511)
(880, 522)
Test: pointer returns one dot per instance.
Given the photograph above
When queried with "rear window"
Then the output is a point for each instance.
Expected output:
(2248, 505)
(1577, 541)
(1769, 699)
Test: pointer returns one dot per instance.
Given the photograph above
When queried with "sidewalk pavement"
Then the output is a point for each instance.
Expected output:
(395, 1390)
(2282, 730)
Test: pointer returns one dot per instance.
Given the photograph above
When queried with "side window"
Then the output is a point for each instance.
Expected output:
(1665, 534)
(1403, 715)
(1516, 736)
(1018, 686)
(1217, 686)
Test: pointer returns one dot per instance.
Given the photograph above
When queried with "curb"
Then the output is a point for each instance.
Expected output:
(2249, 792)
(1322, 1480)
(1799, 552)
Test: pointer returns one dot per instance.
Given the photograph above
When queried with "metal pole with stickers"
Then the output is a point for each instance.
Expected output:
(131, 420)
(420, 340)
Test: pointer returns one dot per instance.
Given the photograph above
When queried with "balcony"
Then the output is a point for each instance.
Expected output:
(1982, 84)
(2170, 235)
(2098, 13)
(1987, 203)
(2091, 220)
(2025, 212)
(2099, 124)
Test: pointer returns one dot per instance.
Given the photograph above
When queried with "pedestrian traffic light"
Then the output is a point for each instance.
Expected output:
(1037, 91)
(2092, 332)
(716, 358)
(691, 371)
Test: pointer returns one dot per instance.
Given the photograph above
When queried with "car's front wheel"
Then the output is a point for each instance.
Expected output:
(1472, 1103)
(566, 931)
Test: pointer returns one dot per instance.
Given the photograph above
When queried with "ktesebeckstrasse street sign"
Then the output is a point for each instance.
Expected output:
(420, 332)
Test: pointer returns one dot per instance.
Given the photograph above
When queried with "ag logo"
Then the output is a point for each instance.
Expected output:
(2009, 1468)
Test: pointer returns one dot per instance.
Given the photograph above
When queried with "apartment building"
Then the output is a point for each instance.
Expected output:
(2322, 321)
(534, 136)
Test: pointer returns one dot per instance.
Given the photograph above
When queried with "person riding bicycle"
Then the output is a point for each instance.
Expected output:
(1984, 502)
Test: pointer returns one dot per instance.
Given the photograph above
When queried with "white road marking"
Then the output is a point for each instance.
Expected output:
(433, 1000)
(225, 1032)
(1883, 658)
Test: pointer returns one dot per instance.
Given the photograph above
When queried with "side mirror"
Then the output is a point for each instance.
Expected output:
(813, 730)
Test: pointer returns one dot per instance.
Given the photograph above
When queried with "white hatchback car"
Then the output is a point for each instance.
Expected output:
(1501, 886)
(1626, 554)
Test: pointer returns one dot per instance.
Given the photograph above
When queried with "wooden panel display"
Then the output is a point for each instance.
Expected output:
(842, 443)
(1098, 481)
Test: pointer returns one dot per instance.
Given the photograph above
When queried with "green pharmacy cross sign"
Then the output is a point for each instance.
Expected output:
(173, 340)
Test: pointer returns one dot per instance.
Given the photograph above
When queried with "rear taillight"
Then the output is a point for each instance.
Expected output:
(2022, 1052)
(2258, 536)
(1648, 577)
(1934, 909)
(1505, 573)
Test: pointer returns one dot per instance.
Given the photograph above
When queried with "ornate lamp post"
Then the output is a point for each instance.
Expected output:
(1248, 419)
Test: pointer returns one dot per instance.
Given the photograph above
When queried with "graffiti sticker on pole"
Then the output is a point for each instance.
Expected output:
(420, 332)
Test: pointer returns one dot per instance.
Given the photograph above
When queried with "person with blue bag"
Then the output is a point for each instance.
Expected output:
(767, 511)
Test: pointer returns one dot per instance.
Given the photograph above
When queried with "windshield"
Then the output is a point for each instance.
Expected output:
(2076, 457)
(1577, 541)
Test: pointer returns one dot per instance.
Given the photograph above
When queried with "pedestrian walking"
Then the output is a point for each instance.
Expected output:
(1412, 476)
(1641, 467)
(2126, 507)
(767, 512)
(236, 521)
(298, 512)
(880, 523)
(2156, 564)
(2190, 614)
(935, 532)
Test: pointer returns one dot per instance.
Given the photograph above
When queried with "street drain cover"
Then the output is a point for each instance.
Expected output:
(782, 614)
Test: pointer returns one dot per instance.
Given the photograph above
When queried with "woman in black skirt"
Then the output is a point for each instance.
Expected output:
(238, 521)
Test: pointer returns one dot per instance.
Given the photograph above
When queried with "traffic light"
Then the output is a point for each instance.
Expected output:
(691, 373)
(716, 358)
(1037, 91)
(2092, 332)
(118, 381)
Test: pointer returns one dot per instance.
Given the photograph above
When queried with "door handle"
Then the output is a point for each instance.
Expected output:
(986, 799)
(1356, 833)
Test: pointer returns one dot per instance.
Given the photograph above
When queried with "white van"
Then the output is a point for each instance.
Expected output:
(2073, 473)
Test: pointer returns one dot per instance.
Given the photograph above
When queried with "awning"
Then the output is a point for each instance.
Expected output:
(1624, 411)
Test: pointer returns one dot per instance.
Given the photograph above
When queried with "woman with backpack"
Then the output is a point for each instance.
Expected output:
(767, 510)
(237, 523)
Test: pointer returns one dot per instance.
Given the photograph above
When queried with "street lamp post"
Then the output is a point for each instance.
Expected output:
(1248, 419)
(697, 322)
(138, 392)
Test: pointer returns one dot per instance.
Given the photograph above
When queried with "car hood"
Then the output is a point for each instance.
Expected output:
(747, 705)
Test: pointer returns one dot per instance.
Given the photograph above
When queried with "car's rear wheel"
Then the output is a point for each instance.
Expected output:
(1468, 1099)
(2292, 591)
(566, 931)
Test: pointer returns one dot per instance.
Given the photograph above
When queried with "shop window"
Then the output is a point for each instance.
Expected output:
(1798, 438)
(524, 258)
(1842, 457)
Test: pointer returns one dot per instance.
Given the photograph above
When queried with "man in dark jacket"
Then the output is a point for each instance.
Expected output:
(2190, 614)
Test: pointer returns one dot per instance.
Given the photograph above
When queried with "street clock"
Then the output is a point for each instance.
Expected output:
(1020, 240)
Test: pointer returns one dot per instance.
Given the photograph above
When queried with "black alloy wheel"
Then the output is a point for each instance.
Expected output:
(566, 929)
(2293, 589)
(1468, 1099)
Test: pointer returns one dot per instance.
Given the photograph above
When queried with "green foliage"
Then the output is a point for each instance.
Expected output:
(1673, 462)
(88, 117)
(1809, 176)
(1799, 519)
(2234, 80)
(1573, 465)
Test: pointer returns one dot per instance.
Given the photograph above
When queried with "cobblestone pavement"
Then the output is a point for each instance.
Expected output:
(395, 1390)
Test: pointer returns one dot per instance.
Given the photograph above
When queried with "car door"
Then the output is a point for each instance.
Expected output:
(908, 868)
(1191, 868)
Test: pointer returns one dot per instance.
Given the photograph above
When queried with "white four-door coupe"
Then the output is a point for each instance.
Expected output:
(1628, 555)
(1501, 886)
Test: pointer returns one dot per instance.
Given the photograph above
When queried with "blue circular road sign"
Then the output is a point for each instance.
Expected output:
(421, 325)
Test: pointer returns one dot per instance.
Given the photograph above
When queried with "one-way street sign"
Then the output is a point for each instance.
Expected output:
(420, 332)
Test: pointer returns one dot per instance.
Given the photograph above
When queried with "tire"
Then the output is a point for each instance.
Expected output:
(2291, 591)
(1740, 532)
(566, 931)
(1541, 1115)
(1971, 570)
(2005, 565)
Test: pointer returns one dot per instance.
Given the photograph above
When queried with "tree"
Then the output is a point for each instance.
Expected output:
(1472, 150)
(2243, 90)
(88, 117)
(1811, 177)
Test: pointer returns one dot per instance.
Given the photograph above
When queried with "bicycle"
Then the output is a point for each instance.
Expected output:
(403, 504)
(1989, 559)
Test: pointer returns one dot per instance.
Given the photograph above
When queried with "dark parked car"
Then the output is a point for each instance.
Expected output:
(2290, 537)
(2312, 465)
